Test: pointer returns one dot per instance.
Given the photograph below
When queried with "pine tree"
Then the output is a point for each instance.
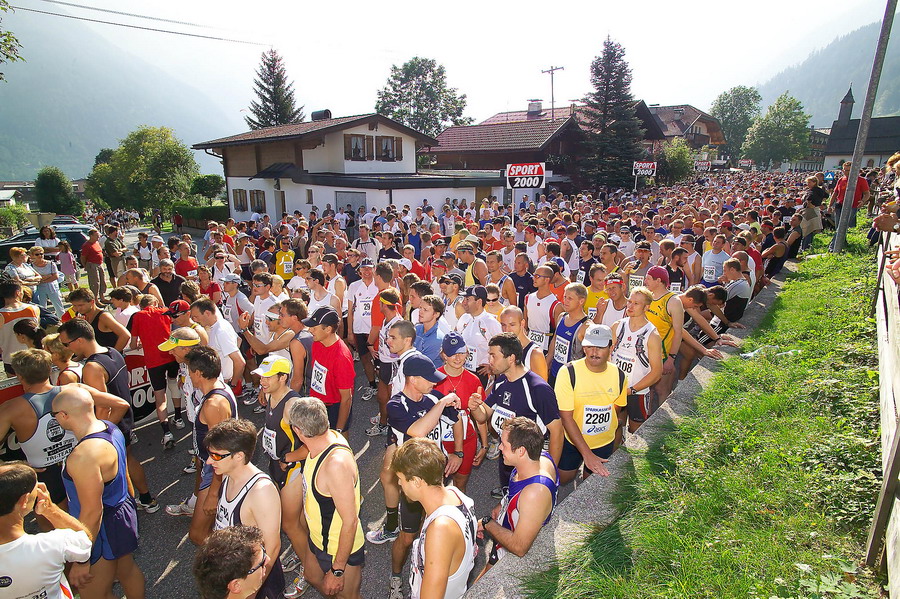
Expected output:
(275, 103)
(614, 132)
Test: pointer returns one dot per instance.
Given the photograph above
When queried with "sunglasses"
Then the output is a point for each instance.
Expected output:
(259, 285)
(271, 316)
(261, 563)
(218, 457)
(53, 414)
(495, 299)
(66, 343)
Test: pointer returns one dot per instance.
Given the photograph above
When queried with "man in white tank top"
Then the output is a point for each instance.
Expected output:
(542, 309)
(319, 295)
(419, 464)
(336, 283)
(637, 351)
(613, 309)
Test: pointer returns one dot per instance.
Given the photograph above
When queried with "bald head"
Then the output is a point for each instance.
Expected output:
(74, 401)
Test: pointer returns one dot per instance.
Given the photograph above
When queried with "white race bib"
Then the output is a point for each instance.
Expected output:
(226, 312)
(470, 360)
(597, 419)
(367, 308)
(539, 339)
(635, 281)
(676, 287)
(319, 374)
(580, 277)
(709, 273)
(268, 443)
(591, 313)
(192, 273)
(561, 350)
(500, 416)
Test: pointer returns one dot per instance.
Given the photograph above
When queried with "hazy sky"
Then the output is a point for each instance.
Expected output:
(339, 54)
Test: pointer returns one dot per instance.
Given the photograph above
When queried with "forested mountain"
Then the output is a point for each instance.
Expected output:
(78, 93)
(821, 80)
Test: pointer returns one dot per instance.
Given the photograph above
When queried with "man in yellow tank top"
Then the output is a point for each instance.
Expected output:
(331, 505)
(476, 271)
(667, 314)
(284, 260)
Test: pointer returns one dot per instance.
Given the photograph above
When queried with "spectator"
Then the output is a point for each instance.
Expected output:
(92, 261)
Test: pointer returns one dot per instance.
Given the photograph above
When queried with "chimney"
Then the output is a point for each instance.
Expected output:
(534, 107)
(846, 108)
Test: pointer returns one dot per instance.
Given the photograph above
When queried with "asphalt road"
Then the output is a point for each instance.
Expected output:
(165, 554)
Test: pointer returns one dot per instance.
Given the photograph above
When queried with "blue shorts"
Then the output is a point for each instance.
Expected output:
(206, 476)
(118, 535)
(571, 459)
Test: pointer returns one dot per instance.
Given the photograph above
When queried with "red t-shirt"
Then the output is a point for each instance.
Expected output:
(213, 287)
(464, 386)
(418, 270)
(757, 258)
(92, 253)
(152, 327)
(186, 267)
(332, 371)
(862, 186)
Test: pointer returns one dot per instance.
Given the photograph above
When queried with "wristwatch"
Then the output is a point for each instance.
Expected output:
(337, 573)
(896, 227)
(485, 520)
(458, 454)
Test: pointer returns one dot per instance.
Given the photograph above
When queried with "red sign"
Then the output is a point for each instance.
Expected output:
(529, 175)
(702, 165)
(644, 169)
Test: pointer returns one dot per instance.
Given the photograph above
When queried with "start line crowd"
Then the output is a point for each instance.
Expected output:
(533, 337)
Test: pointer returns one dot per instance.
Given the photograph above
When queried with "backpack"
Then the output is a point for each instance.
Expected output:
(571, 368)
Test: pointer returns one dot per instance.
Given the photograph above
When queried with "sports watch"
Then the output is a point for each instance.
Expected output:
(459, 454)
(337, 573)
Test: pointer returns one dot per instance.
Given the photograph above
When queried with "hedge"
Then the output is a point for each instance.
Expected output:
(202, 213)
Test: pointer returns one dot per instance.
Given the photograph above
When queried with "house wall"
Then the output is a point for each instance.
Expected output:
(329, 158)
(833, 161)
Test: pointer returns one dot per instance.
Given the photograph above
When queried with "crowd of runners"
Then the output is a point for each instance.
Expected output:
(538, 335)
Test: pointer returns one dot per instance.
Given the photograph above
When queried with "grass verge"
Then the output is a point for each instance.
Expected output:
(768, 489)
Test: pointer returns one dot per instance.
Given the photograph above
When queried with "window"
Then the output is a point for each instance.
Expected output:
(354, 147)
(309, 196)
(239, 197)
(389, 149)
(257, 200)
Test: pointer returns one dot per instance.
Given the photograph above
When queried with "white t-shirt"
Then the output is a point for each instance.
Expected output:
(33, 564)
(362, 296)
(223, 339)
(260, 307)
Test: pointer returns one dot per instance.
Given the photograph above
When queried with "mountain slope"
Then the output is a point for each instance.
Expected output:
(78, 93)
(821, 80)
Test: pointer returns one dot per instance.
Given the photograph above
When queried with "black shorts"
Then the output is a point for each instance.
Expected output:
(357, 558)
(386, 372)
(412, 514)
(362, 344)
(159, 374)
(52, 477)
(571, 459)
(282, 477)
(333, 411)
(641, 407)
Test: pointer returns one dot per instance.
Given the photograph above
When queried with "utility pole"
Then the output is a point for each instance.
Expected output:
(840, 236)
(552, 70)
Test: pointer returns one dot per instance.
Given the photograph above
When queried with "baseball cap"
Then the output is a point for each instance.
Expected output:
(175, 341)
(230, 278)
(273, 365)
(744, 227)
(178, 307)
(448, 255)
(405, 263)
(478, 291)
(366, 263)
(454, 277)
(727, 224)
(439, 241)
(323, 316)
(658, 272)
(472, 239)
(420, 365)
(241, 236)
(597, 335)
(453, 344)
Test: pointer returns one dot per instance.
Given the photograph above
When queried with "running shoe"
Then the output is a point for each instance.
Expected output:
(180, 509)
(296, 587)
(134, 438)
(377, 430)
(493, 451)
(190, 468)
(367, 393)
(396, 588)
(499, 492)
(179, 423)
(192, 451)
(149, 507)
(291, 561)
(168, 441)
(374, 419)
(381, 535)
(259, 409)
(251, 399)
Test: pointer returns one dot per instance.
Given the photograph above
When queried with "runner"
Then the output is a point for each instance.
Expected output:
(542, 309)
(389, 309)
(520, 282)
(332, 369)
(444, 556)
(248, 496)
(592, 395)
(566, 343)
(666, 312)
(613, 309)
(232, 564)
(429, 336)
(107, 331)
(597, 289)
(360, 297)
(512, 320)
(477, 327)
(637, 352)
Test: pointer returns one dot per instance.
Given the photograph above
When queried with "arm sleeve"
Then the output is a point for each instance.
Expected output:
(545, 403)
(75, 544)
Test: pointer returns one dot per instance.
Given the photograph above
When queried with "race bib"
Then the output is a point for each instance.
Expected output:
(539, 339)
(676, 287)
(226, 312)
(624, 365)
(635, 281)
(436, 433)
(268, 443)
(579, 278)
(470, 359)
(319, 374)
(192, 273)
(561, 350)
(500, 416)
(366, 308)
(597, 419)
(709, 273)
(591, 313)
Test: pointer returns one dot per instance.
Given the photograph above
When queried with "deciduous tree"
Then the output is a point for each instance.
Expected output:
(9, 45)
(208, 186)
(53, 192)
(677, 161)
(417, 95)
(275, 104)
(736, 110)
(614, 131)
(781, 134)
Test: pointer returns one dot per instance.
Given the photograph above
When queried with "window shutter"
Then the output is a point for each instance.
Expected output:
(378, 144)
(348, 147)
(370, 147)
(398, 148)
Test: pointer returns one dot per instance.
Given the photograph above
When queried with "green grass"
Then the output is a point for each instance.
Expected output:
(768, 489)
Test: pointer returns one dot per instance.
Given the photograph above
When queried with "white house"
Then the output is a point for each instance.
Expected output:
(365, 161)
(8, 197)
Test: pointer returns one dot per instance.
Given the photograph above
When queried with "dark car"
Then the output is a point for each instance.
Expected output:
(75, 236)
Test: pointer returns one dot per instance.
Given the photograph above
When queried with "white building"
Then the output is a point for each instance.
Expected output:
(367, 161)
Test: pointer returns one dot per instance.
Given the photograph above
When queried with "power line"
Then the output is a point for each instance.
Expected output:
(125, 14)
(207, 37)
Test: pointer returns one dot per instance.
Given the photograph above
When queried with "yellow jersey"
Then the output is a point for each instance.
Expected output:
(658, 314)
(284, 264)
(593, 401)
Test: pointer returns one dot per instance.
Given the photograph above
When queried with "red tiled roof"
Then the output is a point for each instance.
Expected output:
(523, 115)
(500, 136)
(300, 129)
